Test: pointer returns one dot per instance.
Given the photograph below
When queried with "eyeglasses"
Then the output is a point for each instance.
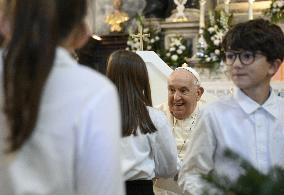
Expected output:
(245, 57)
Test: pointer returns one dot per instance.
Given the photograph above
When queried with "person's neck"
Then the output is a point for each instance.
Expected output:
(259, 95)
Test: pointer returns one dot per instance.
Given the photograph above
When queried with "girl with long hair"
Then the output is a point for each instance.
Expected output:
(148, 146)
(55, 134)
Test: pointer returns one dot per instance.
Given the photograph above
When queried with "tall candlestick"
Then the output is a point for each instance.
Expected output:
(202, 14)
(226, 6)
(250, 10)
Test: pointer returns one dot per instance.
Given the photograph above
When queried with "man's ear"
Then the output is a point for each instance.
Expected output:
(274, 66)
(200, 91)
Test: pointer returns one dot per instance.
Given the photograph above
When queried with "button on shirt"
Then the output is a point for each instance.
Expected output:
(255, 132)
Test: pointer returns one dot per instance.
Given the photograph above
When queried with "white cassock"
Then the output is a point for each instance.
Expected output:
(182, 129)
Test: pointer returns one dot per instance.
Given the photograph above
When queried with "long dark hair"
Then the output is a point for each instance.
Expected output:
(129, 73)
(38, 26)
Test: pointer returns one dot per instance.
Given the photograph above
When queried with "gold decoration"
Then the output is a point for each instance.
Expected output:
(116, 18)
(140, 36)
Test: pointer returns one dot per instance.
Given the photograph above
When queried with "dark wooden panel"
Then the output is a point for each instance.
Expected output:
(95, 53)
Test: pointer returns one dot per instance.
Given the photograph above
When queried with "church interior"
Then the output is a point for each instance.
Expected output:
(205, 93)
(177, 30)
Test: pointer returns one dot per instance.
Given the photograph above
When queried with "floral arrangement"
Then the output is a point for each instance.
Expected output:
(276, 11)
(177, 53)
(209, 47)
(149, 43)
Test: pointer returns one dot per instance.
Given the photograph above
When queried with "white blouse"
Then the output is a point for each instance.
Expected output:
(146, 156)
(256, 132)
(74, 148)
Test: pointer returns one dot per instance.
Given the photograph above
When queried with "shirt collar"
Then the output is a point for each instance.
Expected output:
(63, 58)
(250, 106)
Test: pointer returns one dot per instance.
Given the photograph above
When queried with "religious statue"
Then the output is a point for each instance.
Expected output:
(189, 4)
(180, 16)
(117, 17)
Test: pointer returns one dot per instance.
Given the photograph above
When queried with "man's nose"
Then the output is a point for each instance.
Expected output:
(177, 95)
(237, 63)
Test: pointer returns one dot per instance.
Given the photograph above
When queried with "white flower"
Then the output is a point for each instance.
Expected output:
(127, 48)
(152, 40)
(214, 58)
(216, 42)
(136, 45)
(179, 51)
(274, 4)
(280, 3)
(211, 30)
(149, 47)
(208, 59)
(172, 49)
(145, 30)
(157, 38)
(182, 47)
(177, 41)
(274, 10)
(217, 51)
(168, 54)
(146, 39)
(219, 35)
(174, 57)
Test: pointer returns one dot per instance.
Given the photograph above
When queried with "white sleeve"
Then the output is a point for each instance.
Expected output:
(164, 147)
(97, 166)
(198, 158)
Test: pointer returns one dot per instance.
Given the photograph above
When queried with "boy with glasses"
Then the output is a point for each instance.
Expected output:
(250, 122)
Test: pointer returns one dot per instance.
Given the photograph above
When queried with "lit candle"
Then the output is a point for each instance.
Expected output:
(202, 14)
(227, 8)
(250, 10)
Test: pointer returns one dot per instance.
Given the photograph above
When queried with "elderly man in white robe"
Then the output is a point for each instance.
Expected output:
(182, 109)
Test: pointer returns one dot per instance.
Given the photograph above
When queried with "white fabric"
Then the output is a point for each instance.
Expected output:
(74, 148)
(182, 130)
(194, 72)
(254, 131)
(146, 156)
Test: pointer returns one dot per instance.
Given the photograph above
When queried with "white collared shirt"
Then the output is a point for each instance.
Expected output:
(254, 131)
(150, 155)
(74, 148)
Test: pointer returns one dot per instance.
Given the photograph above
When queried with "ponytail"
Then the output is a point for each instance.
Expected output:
(27, 64)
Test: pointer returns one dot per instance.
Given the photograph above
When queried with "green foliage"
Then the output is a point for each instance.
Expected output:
(252, 182)
(276, 11)
(209, 47)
